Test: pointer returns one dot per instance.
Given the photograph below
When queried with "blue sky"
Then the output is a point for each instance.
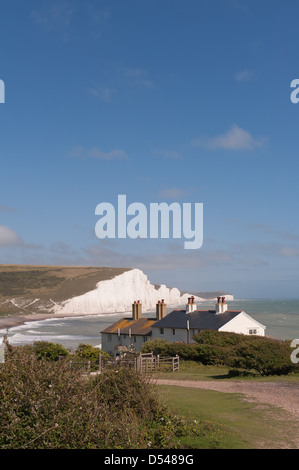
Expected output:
(163, 101)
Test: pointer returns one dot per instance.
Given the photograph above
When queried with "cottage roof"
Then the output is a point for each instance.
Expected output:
(142, 326)
(198, 319)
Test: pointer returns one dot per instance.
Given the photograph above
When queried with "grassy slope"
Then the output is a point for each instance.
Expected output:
(239, 424)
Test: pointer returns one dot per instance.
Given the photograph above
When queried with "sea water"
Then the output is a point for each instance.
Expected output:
(281, 318)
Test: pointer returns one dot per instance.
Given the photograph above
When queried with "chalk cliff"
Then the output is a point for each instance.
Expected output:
(118, 294)
(75, 290)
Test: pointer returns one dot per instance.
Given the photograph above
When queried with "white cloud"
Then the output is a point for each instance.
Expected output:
(7, 209)
(57, 15)
(8, 237)
(103, 93)
(168, 154)
(235, 139)
(289, 251)
(96, 152)
(138, 76)
(172, 193)
(244, 75)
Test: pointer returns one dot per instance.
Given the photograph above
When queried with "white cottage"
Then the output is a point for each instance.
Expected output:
(182, 325)
(176, 326)
(133, 331)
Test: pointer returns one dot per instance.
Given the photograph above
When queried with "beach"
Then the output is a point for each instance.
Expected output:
(14, 321)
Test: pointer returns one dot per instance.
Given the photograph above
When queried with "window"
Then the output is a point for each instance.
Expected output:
(253, 331)
(109, 338)
(161, 331)
(173, 331)
(144, 339)
(135, 339)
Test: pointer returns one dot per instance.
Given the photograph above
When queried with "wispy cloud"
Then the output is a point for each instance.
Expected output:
(102, 93)
(168, 154)
(244, 75)
(137, 75)
(54, 16)
(235, 139)
(7, 209)
(172, 193)
(266, 229)
(9, 237)
(96, 152)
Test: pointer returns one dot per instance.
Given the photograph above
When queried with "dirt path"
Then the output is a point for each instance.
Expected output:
(283, 395)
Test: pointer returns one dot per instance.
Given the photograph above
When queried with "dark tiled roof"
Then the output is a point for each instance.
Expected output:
(199, 319)
(142, 326)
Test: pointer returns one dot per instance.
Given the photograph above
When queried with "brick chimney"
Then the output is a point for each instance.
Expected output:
(136, 310)
(191, 306)
(224, 305)
(160, 310)
(221, 305)
(218, 306)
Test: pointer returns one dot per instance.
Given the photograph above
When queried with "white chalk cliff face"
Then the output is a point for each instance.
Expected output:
(118, 294)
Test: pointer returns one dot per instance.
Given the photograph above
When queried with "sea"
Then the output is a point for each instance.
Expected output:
(280, 316)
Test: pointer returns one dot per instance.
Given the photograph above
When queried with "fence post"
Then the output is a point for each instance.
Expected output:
(88, 366)
(100, 362)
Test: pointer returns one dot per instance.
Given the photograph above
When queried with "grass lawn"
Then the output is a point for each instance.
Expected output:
(227, 422)
(190, 370)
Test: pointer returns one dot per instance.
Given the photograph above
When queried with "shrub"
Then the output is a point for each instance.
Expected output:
(265, 357)
(52, 406)
(249, 353)
(89, 352)
(219, 338)
(49, 351)
(165, 348)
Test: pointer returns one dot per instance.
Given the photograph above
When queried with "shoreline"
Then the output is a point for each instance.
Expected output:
(18, 320)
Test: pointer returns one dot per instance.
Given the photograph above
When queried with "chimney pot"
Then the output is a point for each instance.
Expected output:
(223, 300)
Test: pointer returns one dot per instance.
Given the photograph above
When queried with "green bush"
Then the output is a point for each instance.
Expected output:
(52, 406)
(264, 357)
(247, 353)
(165, 348)
(49, 351)
(87, 351)
(219, 338)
